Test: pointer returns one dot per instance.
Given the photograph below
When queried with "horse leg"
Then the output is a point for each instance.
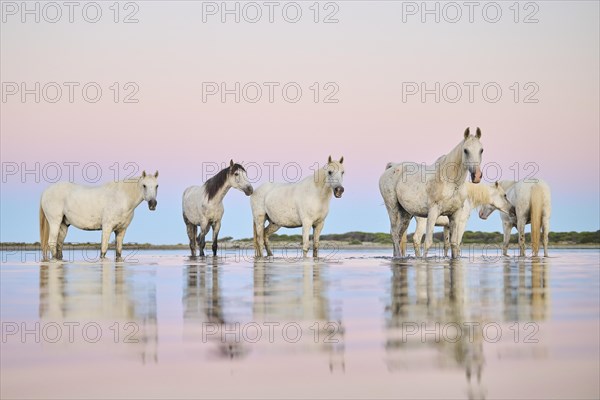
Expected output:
(192, 231)
(446, 240)
(394, 214)
(507, 227)
(432, 216)
(305, 238)
(53, 233)
(454, 228)
(521, 231)
(119, 235)
(60, 240)
(106, 231)
(545, 232)
(317, 228)
(461, 226)
(216, 227)
(269, 230)
(418, 235)
(259, 235)
(403, 221)
(202, 238)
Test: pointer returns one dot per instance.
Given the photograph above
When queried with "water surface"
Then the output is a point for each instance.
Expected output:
(354, 324)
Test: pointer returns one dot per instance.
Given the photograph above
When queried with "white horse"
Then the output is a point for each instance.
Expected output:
(532, 205)
(203, 205)
(412, 189)
(108, 208)
(477, 196)
(291, 205)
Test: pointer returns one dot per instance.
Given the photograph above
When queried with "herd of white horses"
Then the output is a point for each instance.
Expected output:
(436, 195)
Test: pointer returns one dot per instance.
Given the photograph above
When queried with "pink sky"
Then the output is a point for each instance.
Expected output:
(368, 54)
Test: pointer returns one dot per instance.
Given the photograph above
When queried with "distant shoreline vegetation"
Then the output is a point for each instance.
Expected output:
(588, 239)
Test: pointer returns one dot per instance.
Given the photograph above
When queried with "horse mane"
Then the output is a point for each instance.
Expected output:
(478, 194)
(214, 184)
(507, 184)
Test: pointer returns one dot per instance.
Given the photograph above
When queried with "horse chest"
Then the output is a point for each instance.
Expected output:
(212, 214)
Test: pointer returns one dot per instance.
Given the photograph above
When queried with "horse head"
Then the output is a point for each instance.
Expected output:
(499, 199)
(335, 176)
(471, 156)
(238, 179)
(149, 186)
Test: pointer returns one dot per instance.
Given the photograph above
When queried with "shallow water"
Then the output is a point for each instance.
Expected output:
(354, 324)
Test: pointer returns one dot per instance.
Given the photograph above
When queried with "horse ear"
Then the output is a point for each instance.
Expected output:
(329, 160)
(156, 174)
(143, 173)
(496, 184)
(342, 160)
(231, 163)
(467, 132)
(478, 134)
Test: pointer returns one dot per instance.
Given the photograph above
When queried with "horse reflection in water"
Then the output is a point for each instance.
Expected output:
(203, 303)
(286, 292)
(421, 293)
(526, 290)
(105, 295)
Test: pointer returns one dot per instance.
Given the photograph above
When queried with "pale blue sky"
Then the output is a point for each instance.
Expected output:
(369, 54)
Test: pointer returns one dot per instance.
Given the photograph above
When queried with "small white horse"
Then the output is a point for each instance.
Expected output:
(291, 205)
(532, 204)
(412, 189)
(203, 205)
(108, 208)
(477, 196)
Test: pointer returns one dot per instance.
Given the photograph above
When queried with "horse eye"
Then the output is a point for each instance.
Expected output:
(466, 151)
(144, 186)
(330, 172)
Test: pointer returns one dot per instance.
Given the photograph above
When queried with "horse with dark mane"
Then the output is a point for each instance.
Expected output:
(203, 205)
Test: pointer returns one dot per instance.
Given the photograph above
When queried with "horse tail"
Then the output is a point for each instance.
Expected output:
(44, 233)
(536, 208)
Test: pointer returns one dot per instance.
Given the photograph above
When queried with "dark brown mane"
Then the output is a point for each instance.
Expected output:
(214, 184)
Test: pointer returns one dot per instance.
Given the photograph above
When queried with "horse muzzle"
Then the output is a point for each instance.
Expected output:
(483, 214)
(152, 204)
(476, 176)
(248, 190)
(337, 192)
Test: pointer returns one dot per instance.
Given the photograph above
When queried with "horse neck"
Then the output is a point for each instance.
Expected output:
(452, 162)
(220, 195)
(132, 189)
